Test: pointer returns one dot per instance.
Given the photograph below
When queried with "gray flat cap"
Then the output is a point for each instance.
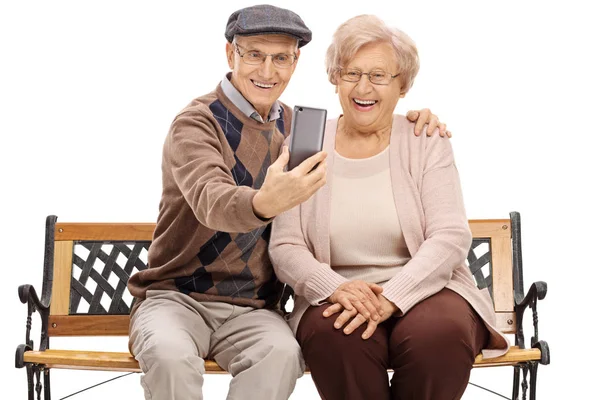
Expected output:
(267, 20)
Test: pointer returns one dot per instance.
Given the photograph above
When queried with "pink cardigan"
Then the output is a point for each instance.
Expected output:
(430, 208)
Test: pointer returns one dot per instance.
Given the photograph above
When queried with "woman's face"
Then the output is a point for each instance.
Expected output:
(369, 107)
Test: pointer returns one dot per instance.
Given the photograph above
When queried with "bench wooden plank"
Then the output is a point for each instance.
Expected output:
(114, 361)
(144, 230)
(103, 231)
(61, 284)
(502, 274)
(118, 325)
(506, 322)
(88, 325)
(486, 228)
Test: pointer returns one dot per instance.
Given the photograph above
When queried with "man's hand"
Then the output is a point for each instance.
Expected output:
(283, 190)
(355, 297)
(425, 116)
(388, 308)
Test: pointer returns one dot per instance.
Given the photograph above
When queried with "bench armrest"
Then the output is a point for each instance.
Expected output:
(28, 295)
(537, 291)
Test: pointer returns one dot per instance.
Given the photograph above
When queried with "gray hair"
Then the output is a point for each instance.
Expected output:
(366, 29)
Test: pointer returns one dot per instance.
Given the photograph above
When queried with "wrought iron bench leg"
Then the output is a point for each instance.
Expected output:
(523, 385)
(30, 392)
(533, 366)
(38, 373)
(516, 381)
(46, 384)
(38, 384)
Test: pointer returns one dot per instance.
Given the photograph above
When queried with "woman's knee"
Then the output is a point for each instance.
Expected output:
(321, 341)
(318, 331)
(437, 337)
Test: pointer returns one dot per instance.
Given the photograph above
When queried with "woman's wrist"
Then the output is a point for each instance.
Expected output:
(388, 306)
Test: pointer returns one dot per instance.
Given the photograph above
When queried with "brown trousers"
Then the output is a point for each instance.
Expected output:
(431, 350)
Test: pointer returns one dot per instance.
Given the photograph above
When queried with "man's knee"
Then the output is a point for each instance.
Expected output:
(279, 356)
(169, 356)
(285, 348)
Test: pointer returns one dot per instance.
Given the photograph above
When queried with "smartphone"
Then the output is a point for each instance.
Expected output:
(308, 130)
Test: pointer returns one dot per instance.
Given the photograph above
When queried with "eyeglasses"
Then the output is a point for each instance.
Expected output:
(255, 57)
(377, 77)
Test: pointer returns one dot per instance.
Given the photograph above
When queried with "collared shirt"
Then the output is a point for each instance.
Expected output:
(244, 105)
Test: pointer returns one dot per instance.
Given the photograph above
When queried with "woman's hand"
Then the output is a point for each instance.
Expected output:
(358, 297)
(388, 307)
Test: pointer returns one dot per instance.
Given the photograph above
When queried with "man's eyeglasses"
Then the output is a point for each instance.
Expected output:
(255, 57)
(377, 77)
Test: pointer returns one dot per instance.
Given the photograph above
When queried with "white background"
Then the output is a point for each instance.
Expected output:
(88, 90)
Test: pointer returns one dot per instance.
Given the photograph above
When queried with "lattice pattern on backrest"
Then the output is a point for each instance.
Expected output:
(100, 273)
(479, 261)
(101, 270)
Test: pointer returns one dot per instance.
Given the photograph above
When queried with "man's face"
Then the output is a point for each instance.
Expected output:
(263, 83)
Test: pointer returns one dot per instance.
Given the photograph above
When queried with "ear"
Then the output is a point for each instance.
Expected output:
(293, 68)
(230, 51)
(336, 82)
(402, 91)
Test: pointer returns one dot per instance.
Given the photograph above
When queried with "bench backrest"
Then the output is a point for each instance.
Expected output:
(87, 265)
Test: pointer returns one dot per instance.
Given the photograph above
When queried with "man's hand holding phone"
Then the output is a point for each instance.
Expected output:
(283, 190)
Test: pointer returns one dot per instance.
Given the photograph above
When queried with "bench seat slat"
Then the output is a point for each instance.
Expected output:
(113, 361)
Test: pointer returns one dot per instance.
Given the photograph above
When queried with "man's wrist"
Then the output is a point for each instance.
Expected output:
(259, 208)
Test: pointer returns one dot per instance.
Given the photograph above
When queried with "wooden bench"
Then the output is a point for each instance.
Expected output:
(84, 293)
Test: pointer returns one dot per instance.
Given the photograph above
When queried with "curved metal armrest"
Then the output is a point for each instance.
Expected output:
(536, 292)
(27, 293)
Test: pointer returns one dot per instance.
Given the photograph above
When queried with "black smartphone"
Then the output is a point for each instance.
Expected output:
(308, 130)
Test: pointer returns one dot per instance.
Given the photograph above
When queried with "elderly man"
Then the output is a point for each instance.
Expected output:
(210, 290)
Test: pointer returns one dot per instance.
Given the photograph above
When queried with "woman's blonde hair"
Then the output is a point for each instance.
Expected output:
(366, 29)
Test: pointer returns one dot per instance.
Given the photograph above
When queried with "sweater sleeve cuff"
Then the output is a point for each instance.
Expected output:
(404, 292)
(323, 282)
(246, 211)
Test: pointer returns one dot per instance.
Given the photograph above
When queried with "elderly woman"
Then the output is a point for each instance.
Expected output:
(376, 257)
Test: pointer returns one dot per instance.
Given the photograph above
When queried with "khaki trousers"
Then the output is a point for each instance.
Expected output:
(171, 334)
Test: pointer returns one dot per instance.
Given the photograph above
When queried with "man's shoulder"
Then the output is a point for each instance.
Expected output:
(196, 120)
(200, 105)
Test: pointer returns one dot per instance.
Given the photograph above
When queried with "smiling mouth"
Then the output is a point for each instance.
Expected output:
(263, 85)
(364, 103)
